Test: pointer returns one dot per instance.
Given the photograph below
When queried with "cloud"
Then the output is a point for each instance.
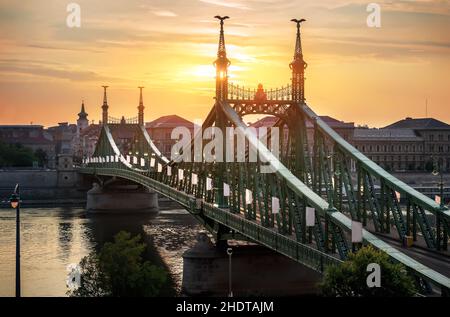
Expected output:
(165, 13)
(227, 4)
(47, 70)
(62, 48)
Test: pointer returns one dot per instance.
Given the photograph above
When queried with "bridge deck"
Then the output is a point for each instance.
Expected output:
(289, 246)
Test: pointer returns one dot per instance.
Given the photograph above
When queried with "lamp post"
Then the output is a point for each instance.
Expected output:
(15, 203)
(441, 185)
(438, 171)
(331, 190)
(229, 252)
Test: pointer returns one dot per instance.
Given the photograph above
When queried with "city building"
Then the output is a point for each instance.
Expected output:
(82, 121)
(88, 140)
(392, 149)
(63, 137)
(160, 131)
(30, 136)
(436, 140)
(344, 129)
(86, 136)
(406, 145)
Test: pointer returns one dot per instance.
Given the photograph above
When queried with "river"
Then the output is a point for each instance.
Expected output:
(53, 238)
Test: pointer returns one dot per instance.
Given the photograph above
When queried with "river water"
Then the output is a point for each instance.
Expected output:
(53, 238)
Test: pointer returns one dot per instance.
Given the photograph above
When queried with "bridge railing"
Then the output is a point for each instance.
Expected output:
(377, 194)
(236, 92)
(304, 254)
(260, 221)
(337, 218)
(113, 120)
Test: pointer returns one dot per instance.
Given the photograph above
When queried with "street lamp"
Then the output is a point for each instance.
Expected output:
(14, 200)
(335, 173)
(229, 252)
(437, 171)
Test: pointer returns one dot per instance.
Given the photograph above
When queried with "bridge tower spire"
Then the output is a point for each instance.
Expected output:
(105, 107)
(141, 108)
(222, 63)
(298, 67)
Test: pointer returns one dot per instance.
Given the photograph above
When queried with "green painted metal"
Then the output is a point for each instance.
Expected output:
(287, 245)
(394, 183)
(318, 179)
(338, 219)
(302, 253)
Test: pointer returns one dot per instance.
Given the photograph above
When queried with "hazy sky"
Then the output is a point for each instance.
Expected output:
(355, 73)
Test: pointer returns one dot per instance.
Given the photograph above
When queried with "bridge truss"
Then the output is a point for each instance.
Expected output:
(235, 200)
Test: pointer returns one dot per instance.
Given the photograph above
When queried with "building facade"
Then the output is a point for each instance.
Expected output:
(160, 131)
(435, 136)
(64, 135)
(392, 149)
(406, 145)
(33, 137)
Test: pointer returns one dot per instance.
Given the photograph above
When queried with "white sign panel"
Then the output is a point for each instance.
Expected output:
(226, 190)
(310, 217)
(169, 171)
(275, 205)
(159, 168)
(135, 160)
(142, 162)
(152, 162)
(194, 178)
(208, 183)
(180, 174)
(357, 233)
(248, 197)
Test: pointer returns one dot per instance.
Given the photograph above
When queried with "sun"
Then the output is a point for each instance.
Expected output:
(204, 71)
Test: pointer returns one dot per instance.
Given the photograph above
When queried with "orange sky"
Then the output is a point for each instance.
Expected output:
(355, 73)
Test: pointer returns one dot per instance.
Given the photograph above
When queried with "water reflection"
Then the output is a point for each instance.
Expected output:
(53, 238)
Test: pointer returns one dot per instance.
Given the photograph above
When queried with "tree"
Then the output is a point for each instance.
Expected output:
(41, 156)
(119, 271)
(350, 278)
(15, 155)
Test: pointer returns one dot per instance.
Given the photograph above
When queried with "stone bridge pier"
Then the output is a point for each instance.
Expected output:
(255, 271)
(118, 198)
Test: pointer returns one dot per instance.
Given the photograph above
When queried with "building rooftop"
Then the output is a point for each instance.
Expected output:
(41, 140)
(21, 126)
(334, 123)
(92, 130)
(171, 121)
(418, 124)
(269, 121)
(364, 134)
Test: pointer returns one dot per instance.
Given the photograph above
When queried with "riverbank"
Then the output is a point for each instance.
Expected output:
(53, 238)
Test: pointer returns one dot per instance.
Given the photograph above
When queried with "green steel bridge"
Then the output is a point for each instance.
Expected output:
(236, 200)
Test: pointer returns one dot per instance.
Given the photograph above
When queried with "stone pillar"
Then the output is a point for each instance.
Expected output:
(256, 271)
(124, 199)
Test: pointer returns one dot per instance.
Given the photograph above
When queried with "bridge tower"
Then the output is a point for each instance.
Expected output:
(299, 144)
(222, 63)
(141, 108)
(105, 107)
(298, 67)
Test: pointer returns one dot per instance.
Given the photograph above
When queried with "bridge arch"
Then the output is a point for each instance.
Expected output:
(237, 200)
